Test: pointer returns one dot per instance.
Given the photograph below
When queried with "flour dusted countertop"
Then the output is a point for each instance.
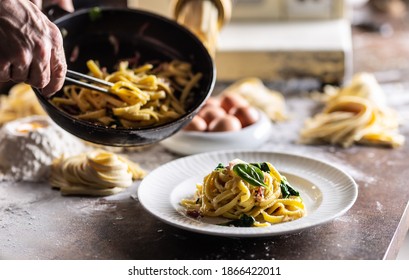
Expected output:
(37, 222)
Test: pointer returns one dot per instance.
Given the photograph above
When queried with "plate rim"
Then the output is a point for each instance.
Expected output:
(247, 232)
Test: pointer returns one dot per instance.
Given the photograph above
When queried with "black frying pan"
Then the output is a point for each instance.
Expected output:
(139, 33)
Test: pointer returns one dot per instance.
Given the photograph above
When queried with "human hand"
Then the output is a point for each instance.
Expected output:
(32, 49)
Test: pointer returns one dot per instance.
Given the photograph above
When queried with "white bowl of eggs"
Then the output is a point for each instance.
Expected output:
(228, 122)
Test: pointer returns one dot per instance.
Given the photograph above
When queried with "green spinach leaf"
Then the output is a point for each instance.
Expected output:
(95, 13)
(262, 165)
(243, 221)
(250, 173)
(219, 166)
(286, 189)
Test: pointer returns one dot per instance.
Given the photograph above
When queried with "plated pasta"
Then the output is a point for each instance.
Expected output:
(139, 97)
(248, 194)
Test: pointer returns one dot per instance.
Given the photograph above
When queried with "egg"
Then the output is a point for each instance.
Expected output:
(212, 101)
(226, 123)
(247, 115)
(210, 112)
(197, 124)
(230, 101)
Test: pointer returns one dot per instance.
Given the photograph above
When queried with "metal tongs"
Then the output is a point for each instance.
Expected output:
(83, 80)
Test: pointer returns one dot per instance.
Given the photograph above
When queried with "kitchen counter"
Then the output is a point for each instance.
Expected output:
(36, 222)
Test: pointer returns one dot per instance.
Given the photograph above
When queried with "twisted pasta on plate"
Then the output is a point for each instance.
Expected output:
(249, 194)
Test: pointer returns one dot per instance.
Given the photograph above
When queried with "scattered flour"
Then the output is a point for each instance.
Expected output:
(379, 206)
(29, 145)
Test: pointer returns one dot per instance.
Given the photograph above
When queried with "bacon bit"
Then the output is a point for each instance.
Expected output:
(135, 60)
(234, 162)
(74, 54)
(259, 194)
(193, 213)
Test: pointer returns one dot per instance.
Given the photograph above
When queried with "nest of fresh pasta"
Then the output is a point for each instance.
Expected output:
(141, 96)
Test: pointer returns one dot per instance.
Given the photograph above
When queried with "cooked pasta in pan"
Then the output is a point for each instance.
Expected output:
(250, 194)
(139, 97)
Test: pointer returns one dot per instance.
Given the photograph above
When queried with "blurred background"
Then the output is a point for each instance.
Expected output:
(327, 40)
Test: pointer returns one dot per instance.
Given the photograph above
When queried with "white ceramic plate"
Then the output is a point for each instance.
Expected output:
(327, 191)
(194, 142)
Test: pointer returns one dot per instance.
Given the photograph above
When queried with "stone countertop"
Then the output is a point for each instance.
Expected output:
(36, 222)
